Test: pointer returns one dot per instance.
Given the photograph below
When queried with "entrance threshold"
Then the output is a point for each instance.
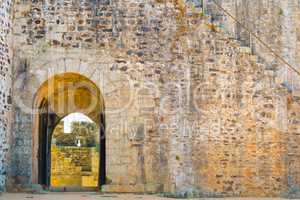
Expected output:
(73, 189)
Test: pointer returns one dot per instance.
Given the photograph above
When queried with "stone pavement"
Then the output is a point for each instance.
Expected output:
(94, 196)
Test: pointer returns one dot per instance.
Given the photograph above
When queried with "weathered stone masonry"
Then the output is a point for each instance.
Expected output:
(5, 89)
(207, 111)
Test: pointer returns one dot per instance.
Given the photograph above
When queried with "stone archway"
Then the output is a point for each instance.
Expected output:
(121, 113)
(57, 97)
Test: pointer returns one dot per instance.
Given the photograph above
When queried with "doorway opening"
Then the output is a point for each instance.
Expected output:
(75, 153)
(69, 134)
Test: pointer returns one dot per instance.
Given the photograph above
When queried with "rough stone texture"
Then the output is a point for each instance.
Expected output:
(5, 87)
(194, 106)
(277, 24)
(74, 167)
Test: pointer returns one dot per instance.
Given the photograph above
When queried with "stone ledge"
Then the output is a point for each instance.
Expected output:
(139, 188)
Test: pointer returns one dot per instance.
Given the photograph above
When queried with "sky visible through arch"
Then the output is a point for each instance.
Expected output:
(74, 117)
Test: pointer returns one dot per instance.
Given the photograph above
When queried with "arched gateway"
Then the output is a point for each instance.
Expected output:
(58, 97)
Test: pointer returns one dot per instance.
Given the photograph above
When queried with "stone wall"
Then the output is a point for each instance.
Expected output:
(5, 87)
(189, 110)
(273, 22)
(74, 167)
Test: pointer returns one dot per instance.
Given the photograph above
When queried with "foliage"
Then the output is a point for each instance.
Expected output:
(86, 132)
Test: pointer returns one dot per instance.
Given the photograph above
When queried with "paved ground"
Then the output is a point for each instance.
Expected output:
(76, 196)
(93, 196)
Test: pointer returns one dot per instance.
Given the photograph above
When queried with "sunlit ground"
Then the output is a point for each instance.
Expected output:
(95, 196)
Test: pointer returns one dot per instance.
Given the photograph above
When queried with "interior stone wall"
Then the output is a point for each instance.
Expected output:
(277, 24)
(74, 167)
(189, 110)
(5, 87)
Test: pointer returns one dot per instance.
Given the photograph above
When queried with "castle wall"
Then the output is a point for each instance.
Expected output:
(277, 24)
(273, 22)
(5, 88)
(188, 109)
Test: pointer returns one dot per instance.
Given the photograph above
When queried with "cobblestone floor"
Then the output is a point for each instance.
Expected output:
(94, 196)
